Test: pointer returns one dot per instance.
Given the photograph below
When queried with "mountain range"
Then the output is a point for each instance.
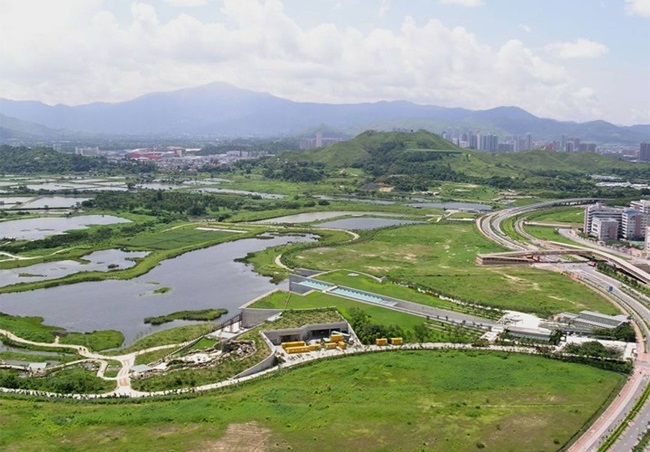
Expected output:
(221, 110)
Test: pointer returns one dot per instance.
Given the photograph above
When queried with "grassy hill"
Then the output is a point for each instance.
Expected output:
(422, 157)
(364, 146)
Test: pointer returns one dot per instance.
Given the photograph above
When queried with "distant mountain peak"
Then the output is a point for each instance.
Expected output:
(221, 109)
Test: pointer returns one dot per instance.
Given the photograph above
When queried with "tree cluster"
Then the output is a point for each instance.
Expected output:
(22, 160)
(367, 331)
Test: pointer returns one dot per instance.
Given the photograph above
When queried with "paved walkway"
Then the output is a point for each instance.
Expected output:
(127, 360)
(124, 388)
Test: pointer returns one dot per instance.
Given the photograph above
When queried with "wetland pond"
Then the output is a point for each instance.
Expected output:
(202, 279)
(101, 261)
(364, 223)
(319, 216)
(39, 228)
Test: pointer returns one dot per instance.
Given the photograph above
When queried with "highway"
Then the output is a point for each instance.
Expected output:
(635, 306)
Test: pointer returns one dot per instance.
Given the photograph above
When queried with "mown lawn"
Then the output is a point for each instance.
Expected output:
(438, 331)
(575, 215)
(407, 400)
(389, 289)
(441, 257)
(547, 233)
(380, 316)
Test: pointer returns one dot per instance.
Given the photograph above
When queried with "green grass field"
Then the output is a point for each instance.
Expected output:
(441, 257)
(387, 288)
(424, 400)
(97, 340)
(548, 233)
(569, 215)
(30, 328)
(174, 238)
(171, 336)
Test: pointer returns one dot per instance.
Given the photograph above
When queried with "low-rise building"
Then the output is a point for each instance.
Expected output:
(536, 334)
(587, 321)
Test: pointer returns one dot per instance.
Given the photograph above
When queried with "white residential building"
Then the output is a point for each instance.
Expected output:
(605, 229)
(599, 211)
(634, 223)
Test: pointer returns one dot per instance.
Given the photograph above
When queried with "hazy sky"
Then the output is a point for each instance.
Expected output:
(564, 59)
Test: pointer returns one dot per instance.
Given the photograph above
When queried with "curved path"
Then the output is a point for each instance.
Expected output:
(127, 361)
(124, 389)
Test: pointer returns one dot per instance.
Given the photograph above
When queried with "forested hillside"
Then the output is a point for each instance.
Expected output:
(22, 160)
(413, 160)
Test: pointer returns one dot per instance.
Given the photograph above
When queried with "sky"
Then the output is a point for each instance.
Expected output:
(574, 60)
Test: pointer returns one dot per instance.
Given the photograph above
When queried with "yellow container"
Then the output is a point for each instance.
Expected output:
(303, 349)
(336, 337)
(396, 340)
(381, 341)
(285, 345)
(314, 347)
(341, 345)
(330, 345)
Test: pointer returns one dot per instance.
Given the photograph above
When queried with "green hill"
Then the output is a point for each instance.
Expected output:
(371, 145)
(413, 160)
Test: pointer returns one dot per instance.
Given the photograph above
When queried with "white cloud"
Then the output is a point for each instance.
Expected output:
(580, 48)
(525, 28)
(638, 7)
(80, 52)
(384, 6)
(468, 3)
(186, 3)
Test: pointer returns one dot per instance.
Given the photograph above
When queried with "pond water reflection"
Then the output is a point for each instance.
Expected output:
(202, 279)
(39, 228)
(101, 261)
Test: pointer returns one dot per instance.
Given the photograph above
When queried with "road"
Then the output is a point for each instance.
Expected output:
(637, 307)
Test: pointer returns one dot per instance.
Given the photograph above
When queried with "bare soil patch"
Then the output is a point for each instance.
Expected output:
(248, 437)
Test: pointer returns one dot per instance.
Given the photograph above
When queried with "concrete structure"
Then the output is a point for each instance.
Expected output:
(590, 320)
(605, 229)
(642, 205)
(529, 333)
(307, 332)
(634, 223)
(647, 242)
(599, 211)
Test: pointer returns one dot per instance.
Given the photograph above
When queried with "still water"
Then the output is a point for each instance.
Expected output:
(364, 223)
(202, 279)
(101, 261)
(39, 228)
(318, 216)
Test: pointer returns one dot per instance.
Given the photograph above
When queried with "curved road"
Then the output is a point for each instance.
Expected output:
(490, 226)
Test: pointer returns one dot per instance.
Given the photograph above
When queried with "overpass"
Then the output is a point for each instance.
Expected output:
(533, 256)
(526, 256)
